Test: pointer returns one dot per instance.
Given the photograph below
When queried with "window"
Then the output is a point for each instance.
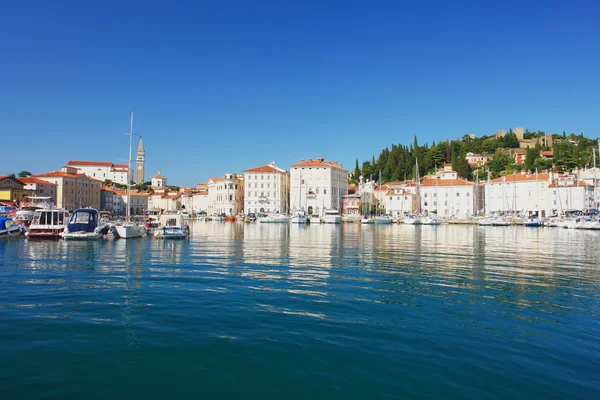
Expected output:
(262, 177)
(324, 191)
(468, 194)
(457, 194)
(425, 195)
(425, 203)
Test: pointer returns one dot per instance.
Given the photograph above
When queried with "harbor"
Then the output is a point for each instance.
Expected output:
(346, 310)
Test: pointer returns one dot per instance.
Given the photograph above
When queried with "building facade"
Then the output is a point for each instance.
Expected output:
(12, 191)
(399, 202)
(107, 199)
(523, 193)
(40, 188)
(117, 173)
(74, 190)
(267, 190)
(567, 195)
(226, 195)
(159, 180)
(318, 185)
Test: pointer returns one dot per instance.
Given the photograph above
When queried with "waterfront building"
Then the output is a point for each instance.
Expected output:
(477, 160)
(39, 187)
(524, 192)
(318, 185)
(73, 189)
(400, 201)
(164, 201)
(140, 163)
(107, 199)
(102, 170)
(450, 196)
(226, 195)
(139, 201)
(267, 190)
(591, 176)
(352, 203)
(566, 194)
(200, 202)
(12, 191)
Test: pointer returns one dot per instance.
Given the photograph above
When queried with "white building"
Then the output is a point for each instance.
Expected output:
(566, 194)
(41, 188)
(523, 193)
(101, 170)
(139, 202)
(399, 202)
(451, 196)
(159, 180)
(267, 190)
(200, 202)
(226, 195)
(318, 185)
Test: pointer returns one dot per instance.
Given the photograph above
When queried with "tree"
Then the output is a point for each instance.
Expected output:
(24, 174)
(356, 170)
(542, 164)
(511, 141)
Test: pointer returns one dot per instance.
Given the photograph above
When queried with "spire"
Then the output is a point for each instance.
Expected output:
(140, 149)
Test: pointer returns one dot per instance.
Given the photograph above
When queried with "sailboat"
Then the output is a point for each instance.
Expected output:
(415, 219)
(128, 229)
(277, 217)
(299, 217)
(381, 219)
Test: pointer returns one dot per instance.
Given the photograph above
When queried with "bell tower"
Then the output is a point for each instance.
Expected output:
(139, 163)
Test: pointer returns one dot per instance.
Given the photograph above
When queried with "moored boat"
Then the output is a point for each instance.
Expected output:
(172, 226)
(274, 219)
(429, 220)
(299, 217)
(84, 224)
(8, 227)
(331, 216)
(382, 220)
(47, 223)
(412, 220)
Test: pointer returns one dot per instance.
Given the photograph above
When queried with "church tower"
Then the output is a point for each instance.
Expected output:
(139, 163)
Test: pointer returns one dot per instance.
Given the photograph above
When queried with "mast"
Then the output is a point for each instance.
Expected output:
(418, 190)
(129, 169)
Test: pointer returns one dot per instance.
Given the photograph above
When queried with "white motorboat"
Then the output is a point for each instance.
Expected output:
(8, 227)
(367, 221)
(429, 220)
(84, 224)
(331, 216)
(274, 219)
(299, 218)
(412, 220)
(486, 222)
(172, 226)
(47, 223)
(500, 221)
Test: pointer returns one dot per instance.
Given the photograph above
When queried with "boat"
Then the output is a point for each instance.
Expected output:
(299, 217)
(129, 229)
(151, 219)
(430, 220)
(274, 219)
(251, 217)
(84, 224)
(500, 221)
(412, 220)
(47, 223)
(9, 227)
(229, 218)
(382, 220)
(367, 220)
(534, 223)
(172, 226)
(331, 216)
(486, 222)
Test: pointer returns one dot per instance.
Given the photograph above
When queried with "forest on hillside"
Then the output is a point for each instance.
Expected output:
(399, 163)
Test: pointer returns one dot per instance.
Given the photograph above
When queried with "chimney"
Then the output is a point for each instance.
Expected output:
(334, 163)
(320, 159)
(341, 165)
(310, 160)
(302, 160)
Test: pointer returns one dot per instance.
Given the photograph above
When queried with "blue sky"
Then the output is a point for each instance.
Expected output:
(225, 86)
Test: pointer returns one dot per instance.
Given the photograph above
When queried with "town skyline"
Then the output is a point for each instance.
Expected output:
(222, 88)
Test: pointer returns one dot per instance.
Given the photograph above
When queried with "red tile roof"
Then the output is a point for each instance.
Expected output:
(521, 178)
(90, 163)
(33, 179)
(446, 182)
(574, 184)
(319, 162)
(547, 153)
(61, 174)
(265, 168)
(121, 166)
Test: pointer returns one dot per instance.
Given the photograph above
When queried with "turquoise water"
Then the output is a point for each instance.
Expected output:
(275, 311)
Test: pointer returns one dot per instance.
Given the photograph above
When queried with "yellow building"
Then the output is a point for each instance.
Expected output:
(12, 191)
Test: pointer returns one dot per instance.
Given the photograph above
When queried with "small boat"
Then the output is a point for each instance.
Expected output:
(274, 219)
(500, 221)
(230, 218)
(299, 217)
(47, 223)
(367, 221)
(412, 220)
(429, 220)
(84, 224)
(240, 217)
(8, 227)
(172, 226)
(534, 223)
(331, 216)
(382, 220)
(251, 217)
